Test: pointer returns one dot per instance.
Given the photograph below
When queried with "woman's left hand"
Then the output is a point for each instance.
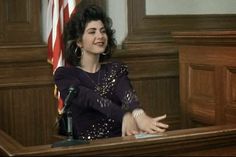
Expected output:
(151, 125)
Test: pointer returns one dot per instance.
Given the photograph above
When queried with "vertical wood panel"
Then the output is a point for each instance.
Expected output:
(201, 82)
(28, 113)
(202, 92)
(160, 96)
(1, 20)
(230, 88)
(21, 22)
(18, 11)
(27, 105)
(212, 83)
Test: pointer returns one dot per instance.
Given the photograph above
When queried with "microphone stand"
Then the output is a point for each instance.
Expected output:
(70, 141)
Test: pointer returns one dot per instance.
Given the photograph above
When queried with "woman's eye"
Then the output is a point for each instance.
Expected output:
(103, 31)
(92, 32)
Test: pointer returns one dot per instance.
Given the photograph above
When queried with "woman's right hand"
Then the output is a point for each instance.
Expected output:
(129, 126)
(151, 125)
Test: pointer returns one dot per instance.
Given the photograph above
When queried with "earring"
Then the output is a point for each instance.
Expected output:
(107, 50)
(82, 52)
(104, 54)
(76, 53)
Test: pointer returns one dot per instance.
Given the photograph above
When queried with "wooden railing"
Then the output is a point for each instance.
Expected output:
(205, 140)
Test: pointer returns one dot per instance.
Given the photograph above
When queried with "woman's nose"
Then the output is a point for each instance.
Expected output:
(100, 35)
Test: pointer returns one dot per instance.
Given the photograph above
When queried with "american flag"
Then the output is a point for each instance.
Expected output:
(58, 13)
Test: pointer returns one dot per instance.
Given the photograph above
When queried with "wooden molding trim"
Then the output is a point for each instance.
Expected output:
(27, 63)
(216, 38)
(23, 53)
(156, 29)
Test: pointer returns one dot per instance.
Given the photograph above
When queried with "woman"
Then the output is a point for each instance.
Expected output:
(105, 104)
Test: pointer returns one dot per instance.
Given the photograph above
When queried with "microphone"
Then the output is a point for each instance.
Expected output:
(70, 141)
(71, 93)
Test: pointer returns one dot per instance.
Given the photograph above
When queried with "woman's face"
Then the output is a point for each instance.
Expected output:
(94, 39)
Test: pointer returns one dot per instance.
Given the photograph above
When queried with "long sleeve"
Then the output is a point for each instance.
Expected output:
(86, 98)
(103, 105)
(125, 91)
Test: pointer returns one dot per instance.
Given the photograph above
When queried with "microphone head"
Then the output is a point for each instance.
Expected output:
(72, 89)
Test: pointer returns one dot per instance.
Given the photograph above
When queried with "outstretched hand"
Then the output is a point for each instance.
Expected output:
(151, 125)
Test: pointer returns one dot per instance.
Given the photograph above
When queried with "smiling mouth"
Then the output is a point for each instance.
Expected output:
(100, 44)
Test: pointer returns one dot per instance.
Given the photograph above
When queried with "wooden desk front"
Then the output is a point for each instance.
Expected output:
(207, 140)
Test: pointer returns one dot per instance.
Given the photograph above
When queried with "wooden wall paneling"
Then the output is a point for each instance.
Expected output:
(155, 80)
(27, 113)
(198, 100)
(1, 21)
(158, 97)
(220, 90)
(149, 50)
(21, 22)
(142, 30)
(204, 84)
(23, 54)
(37, 74)
(168, 23)
(207, 82)
(201, 92)
(28, 107)
(154, 31)
(152, 60)
(183, 92)
(230, 94)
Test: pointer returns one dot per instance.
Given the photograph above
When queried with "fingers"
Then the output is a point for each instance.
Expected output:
(160, 117)
(154, 130)
(159, 124)
(150, 131)
(162, 125)
(160, 130)
(153, 125)
(123, 133)
(133, 132)
(129, 132)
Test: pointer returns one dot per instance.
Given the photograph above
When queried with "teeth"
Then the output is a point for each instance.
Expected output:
(100, 44)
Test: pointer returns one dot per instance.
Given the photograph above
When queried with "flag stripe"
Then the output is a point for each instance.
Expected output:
(71, 7)
(49, 29)
(58, 13)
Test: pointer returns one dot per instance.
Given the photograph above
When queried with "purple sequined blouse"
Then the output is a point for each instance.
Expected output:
(102, 99)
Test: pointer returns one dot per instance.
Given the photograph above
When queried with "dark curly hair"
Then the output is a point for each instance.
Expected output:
(75, 28)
